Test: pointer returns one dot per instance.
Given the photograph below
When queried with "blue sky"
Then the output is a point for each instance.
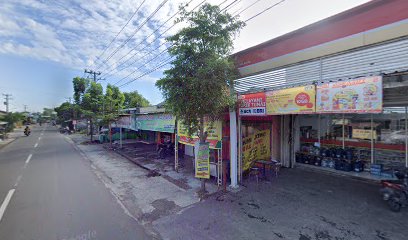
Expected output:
(44, 44)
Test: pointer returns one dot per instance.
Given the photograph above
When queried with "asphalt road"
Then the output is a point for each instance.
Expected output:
(48, 191)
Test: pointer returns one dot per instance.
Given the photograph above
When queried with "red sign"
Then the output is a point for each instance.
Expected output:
(252, 104)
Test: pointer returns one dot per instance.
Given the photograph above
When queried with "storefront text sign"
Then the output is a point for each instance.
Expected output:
(202, 160)
(214, 134)
(156, 122)
(364, 133)
(252, 104)
(123, 122)
(255, 147)
(298, 100)
(363, 95)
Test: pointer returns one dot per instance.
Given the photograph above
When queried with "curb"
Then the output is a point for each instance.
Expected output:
(5, 145)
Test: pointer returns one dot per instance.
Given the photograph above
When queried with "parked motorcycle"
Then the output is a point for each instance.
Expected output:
(395, 192)
(165, 149)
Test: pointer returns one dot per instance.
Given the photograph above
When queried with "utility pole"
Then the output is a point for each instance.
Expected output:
(25, 108)
(7, 98)
(94, 73)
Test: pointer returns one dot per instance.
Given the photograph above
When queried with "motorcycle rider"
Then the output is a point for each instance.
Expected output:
(27, 130)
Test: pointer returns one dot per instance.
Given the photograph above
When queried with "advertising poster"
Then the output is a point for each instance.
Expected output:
(363, 95)
(156, 122)
(252, 104)
(214, 136)
(123, 122)
(256, 147)
(364, 133)
(202, 160)
(298, 100)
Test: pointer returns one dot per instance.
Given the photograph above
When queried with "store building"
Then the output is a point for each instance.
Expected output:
(334, 88)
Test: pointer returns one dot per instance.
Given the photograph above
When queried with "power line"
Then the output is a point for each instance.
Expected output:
(167, 61)
(246, 8)
(94, 73)
(157, 55)
(133, 15)
(230, 5)
(156, 38)
(137, 30)
(263, 11)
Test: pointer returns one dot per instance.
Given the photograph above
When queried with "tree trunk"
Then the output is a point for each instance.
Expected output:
(91, 122)
(203, 139)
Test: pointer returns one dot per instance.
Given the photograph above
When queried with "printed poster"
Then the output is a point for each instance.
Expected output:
(253, 104)
(298, 100)
(255, 147)
(156, 122)
(202, 160)
(363, 95)
(214, 132)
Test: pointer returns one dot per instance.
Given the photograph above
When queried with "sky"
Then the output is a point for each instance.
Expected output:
(44, 44)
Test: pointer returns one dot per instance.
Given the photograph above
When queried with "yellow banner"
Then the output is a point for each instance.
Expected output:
(256, 147)
(364, 133)
(202, 160)
(214, 132)
(298, 100)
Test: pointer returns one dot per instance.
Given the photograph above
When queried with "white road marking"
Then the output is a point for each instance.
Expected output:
(39, 138)
(18, 181)
(42, 134)
(36, 145)
(6, 202)
(28, 159)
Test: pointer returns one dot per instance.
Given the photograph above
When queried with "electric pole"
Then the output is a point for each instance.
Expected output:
(25, 108)
(94, 73)
(7, 98)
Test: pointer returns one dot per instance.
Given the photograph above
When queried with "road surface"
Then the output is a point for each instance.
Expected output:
(48, 191)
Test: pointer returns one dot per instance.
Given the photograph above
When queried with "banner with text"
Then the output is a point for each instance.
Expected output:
(255, 147)
(252, 104)
(202, 160)
(214, 132)
(156, 122)
(363, 95)
(298, 100)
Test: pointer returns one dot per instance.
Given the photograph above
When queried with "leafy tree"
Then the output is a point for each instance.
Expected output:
(197, 84)
(80, 86)
(91, 103)
(113, 103)
(135, 99)
(66, 111)
(12, 118)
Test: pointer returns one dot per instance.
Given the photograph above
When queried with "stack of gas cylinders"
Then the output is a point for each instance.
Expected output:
(336, 157)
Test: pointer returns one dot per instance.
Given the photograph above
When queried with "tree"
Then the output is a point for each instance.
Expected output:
(197, 84)
(80, 86)
(91, 102)
(135, 99)
(113, 102)
(12, 118)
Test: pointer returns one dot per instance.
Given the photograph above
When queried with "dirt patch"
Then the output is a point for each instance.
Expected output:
(162, 207)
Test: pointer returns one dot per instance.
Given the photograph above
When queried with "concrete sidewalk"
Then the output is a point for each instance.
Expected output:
(11, 137)
(147, 197)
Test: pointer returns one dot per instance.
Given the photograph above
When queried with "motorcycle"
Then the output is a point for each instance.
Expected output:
(395, 192)
(27, 132)
(165, 149)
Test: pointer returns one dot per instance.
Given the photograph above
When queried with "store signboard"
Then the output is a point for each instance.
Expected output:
(255, 147)
(253, 104)
(214, 134)
(202, 160)
(298, 100)
(363, 95)
(155, 122)
(364, 133)
(123, 122)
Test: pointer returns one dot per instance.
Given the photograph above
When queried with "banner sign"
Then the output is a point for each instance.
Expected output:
(363, 95)
(214, 136)
(202, 160)
(252, 104)
(155, 122)
(255, 147)
(123, 122)
(364, 133)
(298, 100)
